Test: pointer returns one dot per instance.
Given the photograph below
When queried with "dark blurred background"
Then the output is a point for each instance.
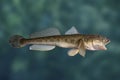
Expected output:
(89, 16)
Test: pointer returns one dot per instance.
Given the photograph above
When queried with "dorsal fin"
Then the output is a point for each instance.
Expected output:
(47, 32)
(41, 47)
(72, 30)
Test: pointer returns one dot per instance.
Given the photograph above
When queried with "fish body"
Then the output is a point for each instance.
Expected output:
(66, 41)
(72, 39)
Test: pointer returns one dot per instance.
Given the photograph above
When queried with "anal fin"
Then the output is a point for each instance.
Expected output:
(41, 47)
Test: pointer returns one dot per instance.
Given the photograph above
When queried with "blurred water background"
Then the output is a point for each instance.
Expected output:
(24, 17)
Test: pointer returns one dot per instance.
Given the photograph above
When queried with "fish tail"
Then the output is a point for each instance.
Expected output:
(15, 41)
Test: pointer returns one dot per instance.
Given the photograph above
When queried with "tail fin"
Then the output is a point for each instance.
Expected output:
(15, 41)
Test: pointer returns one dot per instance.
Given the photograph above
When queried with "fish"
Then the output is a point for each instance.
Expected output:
(50, 38)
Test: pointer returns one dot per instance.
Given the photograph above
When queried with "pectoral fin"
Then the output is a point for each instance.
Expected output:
(82, 52)
(73, 52)
(82, 48)
(41, 47)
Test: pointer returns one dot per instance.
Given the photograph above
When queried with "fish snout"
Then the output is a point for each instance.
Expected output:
(107, 41)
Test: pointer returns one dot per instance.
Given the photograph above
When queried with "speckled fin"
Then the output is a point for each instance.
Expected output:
(72, 30)
(73, 52)
(41, 47)
(47, 32)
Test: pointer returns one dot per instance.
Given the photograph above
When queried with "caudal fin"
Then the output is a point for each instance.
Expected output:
(15, 41)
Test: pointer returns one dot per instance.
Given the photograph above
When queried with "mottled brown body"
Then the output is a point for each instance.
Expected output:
(68, 41)
(51, 38)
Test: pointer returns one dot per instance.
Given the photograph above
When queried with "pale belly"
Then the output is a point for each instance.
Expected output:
(66, 45)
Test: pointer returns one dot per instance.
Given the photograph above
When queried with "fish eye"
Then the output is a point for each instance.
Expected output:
(106, 40)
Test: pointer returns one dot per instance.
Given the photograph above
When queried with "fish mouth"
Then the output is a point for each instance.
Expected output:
(107, 41)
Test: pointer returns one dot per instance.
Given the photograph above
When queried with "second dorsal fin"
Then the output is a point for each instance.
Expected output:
(47, 32)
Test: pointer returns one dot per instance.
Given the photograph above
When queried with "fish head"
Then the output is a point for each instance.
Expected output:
(97, 42)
